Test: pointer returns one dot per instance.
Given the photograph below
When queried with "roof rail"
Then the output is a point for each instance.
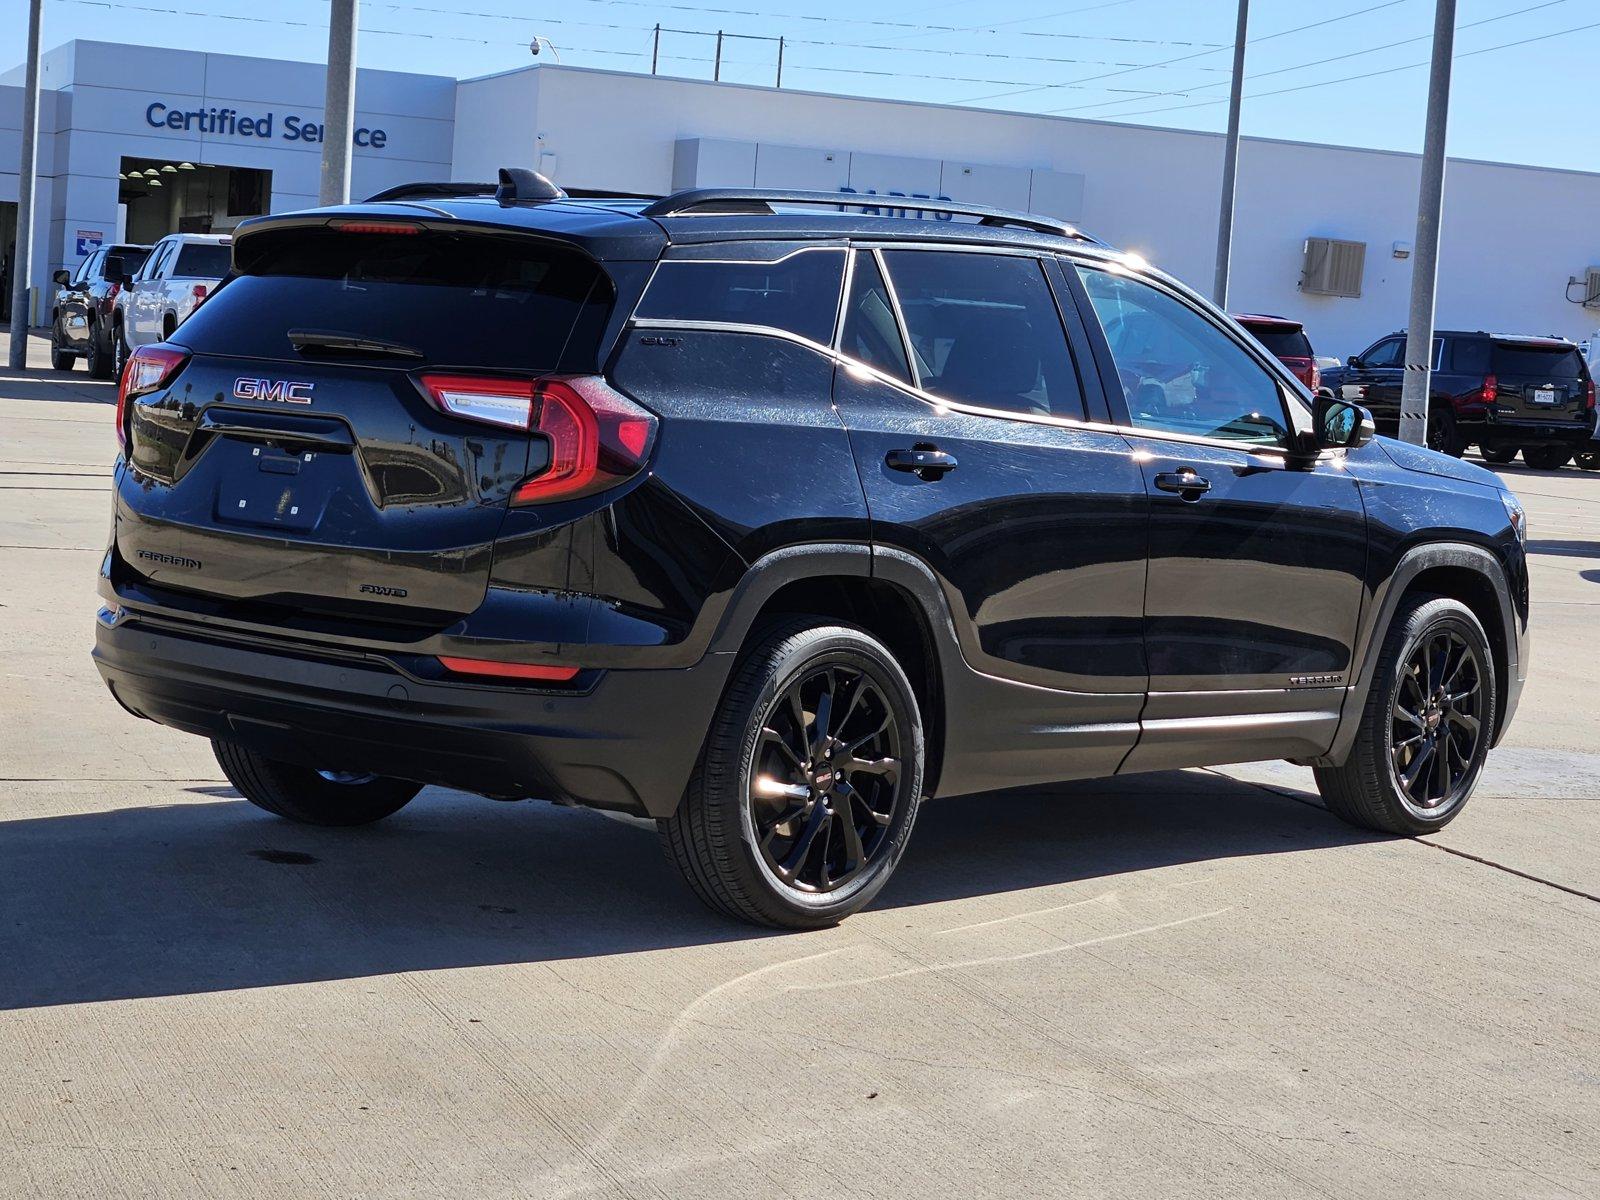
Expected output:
(759, 201)
(516, 183)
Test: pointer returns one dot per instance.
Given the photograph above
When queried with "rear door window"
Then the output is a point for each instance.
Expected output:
(798, 294)
(871, 333)
(200, 260)
(455, 299)
(985, 331)
(1532, 359)
(1391, 352)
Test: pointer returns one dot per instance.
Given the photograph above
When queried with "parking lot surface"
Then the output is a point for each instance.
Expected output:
(1195, 983)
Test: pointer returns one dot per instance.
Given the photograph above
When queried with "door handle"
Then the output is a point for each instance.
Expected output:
(1185, 482)
(924, 460)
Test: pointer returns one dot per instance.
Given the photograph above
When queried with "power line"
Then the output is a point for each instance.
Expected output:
(1304, 87)
(1325, 59)
(1361, 12)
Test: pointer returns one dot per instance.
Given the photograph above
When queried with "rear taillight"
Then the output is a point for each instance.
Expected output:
(198, 292)
(111, 292)
(1589, 402)
(597, 437)
(149, 369)
(1316, 377)
(1490, 390)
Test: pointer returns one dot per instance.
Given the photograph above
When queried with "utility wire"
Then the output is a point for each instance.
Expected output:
(1360, 12)
(1305, 87)
(1325, 59)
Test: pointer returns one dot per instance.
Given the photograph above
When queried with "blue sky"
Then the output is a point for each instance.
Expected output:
(1088, 58)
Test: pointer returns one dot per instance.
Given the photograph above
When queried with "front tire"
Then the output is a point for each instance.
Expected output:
(1426, 726)
(307, 796)
(98, 361)
(60, 360)
(809, 781)
(1546, 458)
(119, 351)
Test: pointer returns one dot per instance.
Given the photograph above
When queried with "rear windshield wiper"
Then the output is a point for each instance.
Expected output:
(310, 341)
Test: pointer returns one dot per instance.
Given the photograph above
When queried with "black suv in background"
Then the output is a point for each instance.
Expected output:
(767, 519)
(1503, 393)
(80, 318)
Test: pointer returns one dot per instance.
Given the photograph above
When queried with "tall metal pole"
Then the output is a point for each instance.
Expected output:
(1230, 161)
(339, 108)
(655, 49)
(716, 71)
(22, 261)
(1430, 208)
(780, 62)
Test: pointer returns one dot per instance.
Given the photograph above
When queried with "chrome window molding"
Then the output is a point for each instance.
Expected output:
(941, 405)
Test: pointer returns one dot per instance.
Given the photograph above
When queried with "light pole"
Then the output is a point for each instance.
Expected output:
(1230, 160)
(22, 261)
(1430, 208)
(339, 107)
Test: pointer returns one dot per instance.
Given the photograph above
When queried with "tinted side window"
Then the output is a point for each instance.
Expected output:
(871, 333)
(985, 331)
(1181, 373)
(1469, 356)
(799, 294)
(1391, 352)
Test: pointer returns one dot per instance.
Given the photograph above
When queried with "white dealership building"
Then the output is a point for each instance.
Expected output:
(140, 141)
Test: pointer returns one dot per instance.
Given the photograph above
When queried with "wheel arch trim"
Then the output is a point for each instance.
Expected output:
(1384, 606)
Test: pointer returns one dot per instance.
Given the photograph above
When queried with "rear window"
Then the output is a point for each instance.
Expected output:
(799, 293)
(132, 257)
(1282, 341)
(469, 300)
(204, 262)
(1527, 358)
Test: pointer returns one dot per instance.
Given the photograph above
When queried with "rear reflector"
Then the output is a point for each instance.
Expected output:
(149, 369)
(508, 670)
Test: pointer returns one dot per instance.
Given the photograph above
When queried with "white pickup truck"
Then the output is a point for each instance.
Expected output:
(180, 272)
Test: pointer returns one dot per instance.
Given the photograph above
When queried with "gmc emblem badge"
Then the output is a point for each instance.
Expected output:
(282, 391)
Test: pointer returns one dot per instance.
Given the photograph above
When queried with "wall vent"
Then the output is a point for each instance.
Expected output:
(1591, 288)
(1333, 267)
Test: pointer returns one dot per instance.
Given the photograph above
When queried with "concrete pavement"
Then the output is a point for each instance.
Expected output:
(1196, 983)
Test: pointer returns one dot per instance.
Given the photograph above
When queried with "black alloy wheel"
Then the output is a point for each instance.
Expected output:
(1425, 727)
(1437, 720)
(826, 779)
(1589, 460)
(98, 358)
(61, 359)
(1444, 437)
(809, 780)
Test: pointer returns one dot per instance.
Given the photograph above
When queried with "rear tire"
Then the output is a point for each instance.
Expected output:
(1430, 715)
(1499, 455)
(307, 796)
(796, 816)
(1589, 460)
(1444, 436)
(1546, 458)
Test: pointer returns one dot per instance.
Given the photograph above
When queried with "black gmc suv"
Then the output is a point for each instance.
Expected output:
(767, 519)
(1502, 392)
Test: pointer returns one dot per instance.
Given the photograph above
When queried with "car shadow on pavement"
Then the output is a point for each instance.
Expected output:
(61, 385)
(212, 895)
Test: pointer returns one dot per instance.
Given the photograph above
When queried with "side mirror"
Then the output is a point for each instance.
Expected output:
(116, 270)
(1339, 425)
(62, 277)
(1354, 362)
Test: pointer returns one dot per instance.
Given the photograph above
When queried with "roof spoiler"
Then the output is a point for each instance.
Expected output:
(516, 184)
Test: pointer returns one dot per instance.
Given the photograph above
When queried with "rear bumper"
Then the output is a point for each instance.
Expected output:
(627, 742)
(1508, 431)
